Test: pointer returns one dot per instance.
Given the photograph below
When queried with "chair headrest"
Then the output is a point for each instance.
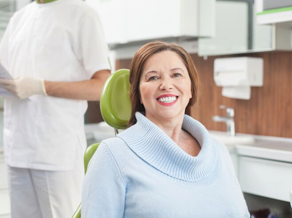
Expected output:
(115, 103)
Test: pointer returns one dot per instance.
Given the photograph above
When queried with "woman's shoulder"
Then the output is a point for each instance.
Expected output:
(116, 148)
(114, 144)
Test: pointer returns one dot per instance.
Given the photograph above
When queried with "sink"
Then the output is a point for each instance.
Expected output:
(232, 140)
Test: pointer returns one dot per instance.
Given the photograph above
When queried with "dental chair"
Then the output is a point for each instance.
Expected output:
(115, 109)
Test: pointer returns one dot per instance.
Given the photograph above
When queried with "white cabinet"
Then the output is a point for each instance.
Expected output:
(231, 34)
(266, 178)
(3, 177)
(271, 11)
(5, 204)
(4, 193)
(234, 159)
(265, 167)
(127, 21)
(238, 31)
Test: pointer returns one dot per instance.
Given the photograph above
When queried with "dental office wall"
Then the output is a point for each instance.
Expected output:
(268, 112)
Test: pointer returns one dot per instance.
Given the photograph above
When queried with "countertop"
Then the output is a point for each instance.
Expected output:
(266, 147)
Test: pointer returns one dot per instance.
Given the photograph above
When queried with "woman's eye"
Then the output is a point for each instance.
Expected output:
(176, 75)
(153, 78)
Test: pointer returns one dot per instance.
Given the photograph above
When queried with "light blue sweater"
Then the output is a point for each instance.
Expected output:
(142, 173)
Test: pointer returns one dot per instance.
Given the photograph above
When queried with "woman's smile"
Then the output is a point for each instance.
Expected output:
(167, 99)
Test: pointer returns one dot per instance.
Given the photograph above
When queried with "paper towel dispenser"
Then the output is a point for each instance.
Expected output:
(236, 75)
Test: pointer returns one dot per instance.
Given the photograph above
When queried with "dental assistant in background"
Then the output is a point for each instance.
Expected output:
(57, 53)
(165, 164)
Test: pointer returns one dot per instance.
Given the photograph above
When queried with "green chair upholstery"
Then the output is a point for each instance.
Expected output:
(115, 103)
(88, 154)
(115, 109)
(77, 213)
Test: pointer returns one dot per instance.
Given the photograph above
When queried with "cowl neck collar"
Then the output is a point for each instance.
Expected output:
(155, 147)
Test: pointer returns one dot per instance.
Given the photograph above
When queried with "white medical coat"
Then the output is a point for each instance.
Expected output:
(58, 41)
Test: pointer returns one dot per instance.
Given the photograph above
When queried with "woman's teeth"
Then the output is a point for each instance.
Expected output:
(167, 99)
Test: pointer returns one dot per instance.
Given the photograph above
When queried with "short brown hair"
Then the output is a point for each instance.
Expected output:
(136, 70)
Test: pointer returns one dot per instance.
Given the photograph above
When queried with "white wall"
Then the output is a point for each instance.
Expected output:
(21, 3)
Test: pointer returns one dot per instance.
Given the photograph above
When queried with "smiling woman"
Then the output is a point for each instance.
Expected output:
(165, 164)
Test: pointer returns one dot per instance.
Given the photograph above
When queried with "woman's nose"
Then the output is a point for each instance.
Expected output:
(166, 84)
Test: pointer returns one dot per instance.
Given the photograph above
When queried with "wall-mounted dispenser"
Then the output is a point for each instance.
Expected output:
(237, 75)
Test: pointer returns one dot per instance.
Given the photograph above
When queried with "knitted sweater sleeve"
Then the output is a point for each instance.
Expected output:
(103, 194)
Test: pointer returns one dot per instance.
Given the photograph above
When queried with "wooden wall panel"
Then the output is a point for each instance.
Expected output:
(268, 112)
(93, 114)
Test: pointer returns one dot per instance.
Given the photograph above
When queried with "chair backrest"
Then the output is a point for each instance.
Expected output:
(115, 109)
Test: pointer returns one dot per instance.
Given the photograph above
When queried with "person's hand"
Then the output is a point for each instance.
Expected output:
(24, 87)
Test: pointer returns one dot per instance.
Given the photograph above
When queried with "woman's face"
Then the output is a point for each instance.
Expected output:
(165, 87)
